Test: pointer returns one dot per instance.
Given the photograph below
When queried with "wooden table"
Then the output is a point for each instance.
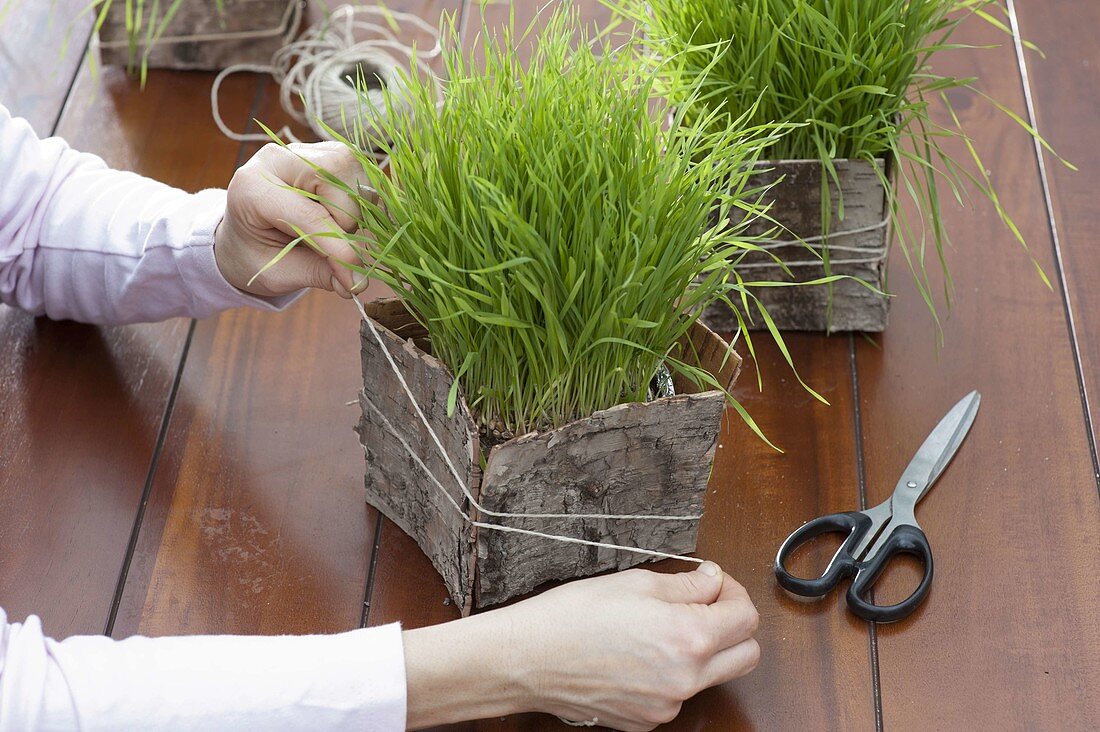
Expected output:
(197, 477)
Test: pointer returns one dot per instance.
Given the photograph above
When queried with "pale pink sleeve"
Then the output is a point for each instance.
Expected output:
(80, 241)
(349, 682)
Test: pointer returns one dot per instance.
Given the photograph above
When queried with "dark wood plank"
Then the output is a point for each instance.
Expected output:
(82, 405)
(816, 668)
(1010, 636)
(164, 131)
(80, 409)
(1066, 93)
(36, 70)
(257, 521)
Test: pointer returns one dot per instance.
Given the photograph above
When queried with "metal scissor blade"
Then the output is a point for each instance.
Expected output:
(938, 449)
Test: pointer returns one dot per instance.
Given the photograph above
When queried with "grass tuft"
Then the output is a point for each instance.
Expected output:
(853, 78)
(552, 235)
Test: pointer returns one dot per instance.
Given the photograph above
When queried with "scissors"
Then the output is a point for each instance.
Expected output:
(877, 535)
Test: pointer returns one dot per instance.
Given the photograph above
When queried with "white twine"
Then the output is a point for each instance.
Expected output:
(320, 70)
(871, 254)
(470, 497)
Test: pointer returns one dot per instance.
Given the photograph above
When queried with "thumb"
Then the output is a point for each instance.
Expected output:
(701, 586)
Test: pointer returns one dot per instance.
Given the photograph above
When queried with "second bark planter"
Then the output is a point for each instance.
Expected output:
(635, 459)
(200, 34)
(856, 246)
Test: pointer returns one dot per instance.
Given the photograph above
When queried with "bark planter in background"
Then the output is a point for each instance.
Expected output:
(200, 36)
(653, 459)
(857, 247)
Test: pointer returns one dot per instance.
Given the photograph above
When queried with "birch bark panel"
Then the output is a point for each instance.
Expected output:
(1014, 523)
(641, 459)
(253, 31)
(406, 473)
(632, 459)
(795, 201)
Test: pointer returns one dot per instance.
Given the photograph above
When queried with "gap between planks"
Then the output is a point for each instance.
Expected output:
(1055, 239)
(166, 418)
(861, 473)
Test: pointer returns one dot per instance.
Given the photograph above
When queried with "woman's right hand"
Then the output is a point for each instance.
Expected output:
(624, 650)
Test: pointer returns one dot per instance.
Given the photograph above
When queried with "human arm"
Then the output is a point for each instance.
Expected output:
(624, 649)
(81, 241)
(348, 681)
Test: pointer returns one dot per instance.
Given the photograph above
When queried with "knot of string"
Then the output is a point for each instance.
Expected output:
(338, 66)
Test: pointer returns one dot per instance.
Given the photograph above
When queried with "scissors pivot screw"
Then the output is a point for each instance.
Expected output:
(911, 484)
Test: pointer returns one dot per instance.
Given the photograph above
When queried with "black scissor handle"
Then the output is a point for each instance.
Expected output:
(903, 539)
(854, 523)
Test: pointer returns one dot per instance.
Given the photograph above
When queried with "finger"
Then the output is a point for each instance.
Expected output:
(732, 618)
(300, 268)
(290, 212)
(730, 663)
(336, 160)
(340, 206)
(732, 590)
(700, 586)
(340, 290)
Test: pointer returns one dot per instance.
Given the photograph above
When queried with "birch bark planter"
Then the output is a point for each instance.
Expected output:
(653, 459)
(201, 37)
(857, 247)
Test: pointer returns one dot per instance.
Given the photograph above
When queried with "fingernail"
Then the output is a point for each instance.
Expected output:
(339, 289)
(359, 286)
(710, 569)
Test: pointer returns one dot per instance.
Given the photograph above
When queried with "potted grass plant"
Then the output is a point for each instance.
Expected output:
(856, 83)
(551, 244)
(191, 34)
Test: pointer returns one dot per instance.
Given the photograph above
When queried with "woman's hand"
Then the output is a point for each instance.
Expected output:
(625, 650)
(261, 216)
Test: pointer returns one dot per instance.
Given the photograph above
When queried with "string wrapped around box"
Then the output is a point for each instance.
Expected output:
(413, 455)
(337, 67)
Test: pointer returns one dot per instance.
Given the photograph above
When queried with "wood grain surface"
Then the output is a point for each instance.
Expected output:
(1066, 94)
(82, 406)
(1014, 524)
